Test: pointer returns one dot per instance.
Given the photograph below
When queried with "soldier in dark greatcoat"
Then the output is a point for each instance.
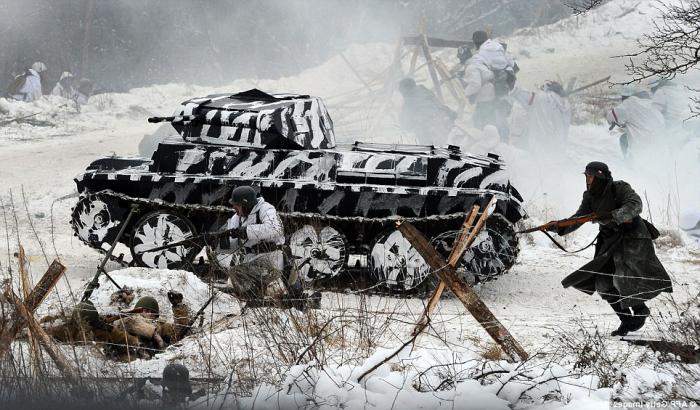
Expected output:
(625, 270)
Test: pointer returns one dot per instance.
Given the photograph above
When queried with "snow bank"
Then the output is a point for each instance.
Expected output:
(157, 283)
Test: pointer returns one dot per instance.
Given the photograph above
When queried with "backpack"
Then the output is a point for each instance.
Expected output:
(17, 83)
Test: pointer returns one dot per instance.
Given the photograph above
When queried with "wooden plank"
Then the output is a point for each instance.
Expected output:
(464, 293)
(457, 251)
(39, 293)
(453, 85)
(44, 339)
(34, 350)
(455, 256)
(431, 69)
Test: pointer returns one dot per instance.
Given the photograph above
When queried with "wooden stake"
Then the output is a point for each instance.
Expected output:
(34, 350)
(47, 282)
(464, 293)
(458, 249)
(44, 339)
(455, 255)
(431, 67)
(453, 85)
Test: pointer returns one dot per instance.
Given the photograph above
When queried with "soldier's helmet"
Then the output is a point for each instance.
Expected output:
(176, 377)
(598, 169)
(85, 312)
(148, 303)
(244, 196)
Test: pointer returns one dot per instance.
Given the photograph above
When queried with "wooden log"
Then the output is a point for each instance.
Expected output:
(458, 250)
(431, 69)
(39, 293)
(455, 255)
(453, 85)
(464, 293)
(34, 350)
(44, 339)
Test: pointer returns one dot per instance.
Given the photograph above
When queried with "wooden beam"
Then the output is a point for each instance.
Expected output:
(463, 292)
(39, 293)
(44, 339)
(455, 255)
(34, 350)
(431, 69)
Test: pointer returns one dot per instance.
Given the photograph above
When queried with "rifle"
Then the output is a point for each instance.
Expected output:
(563, 223)
(602, 80)
(183, 332)
(193, 240)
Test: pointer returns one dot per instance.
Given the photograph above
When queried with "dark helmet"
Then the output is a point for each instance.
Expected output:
(406, 85)
(148, 303)
(244, 196)
(85, 312)
(464, 53)
(176, 377)
(598, 169)
(479, 37)
(555, 87)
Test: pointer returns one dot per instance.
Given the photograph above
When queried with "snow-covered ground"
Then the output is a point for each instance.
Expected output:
(39, 161)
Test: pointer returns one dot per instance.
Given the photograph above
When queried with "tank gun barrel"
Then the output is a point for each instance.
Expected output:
(249, 122)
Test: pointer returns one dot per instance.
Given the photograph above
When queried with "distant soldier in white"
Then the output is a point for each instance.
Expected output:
(690, 223)
(65, 87)
(424, 115)
(671, 100)
(488, 78)
(643, 124)
(257, 230)
(27, 86)
(548, 117)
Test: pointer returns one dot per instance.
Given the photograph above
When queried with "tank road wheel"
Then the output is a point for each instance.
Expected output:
(96, 219)
(492, 254)
(395, 263)
(317, 252)
(160, 228)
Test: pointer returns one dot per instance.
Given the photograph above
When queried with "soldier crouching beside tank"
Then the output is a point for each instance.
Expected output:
(257, 232)
(625, 270)
(136, 332)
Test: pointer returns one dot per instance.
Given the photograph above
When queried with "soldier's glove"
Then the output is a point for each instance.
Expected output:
(240, 233)
(175, 298)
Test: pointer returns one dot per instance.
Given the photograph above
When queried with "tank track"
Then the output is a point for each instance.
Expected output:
(422, 290)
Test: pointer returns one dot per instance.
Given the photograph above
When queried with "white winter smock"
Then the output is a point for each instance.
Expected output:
(643, 123)
(263, 226)
(31, 90)
(548, 119)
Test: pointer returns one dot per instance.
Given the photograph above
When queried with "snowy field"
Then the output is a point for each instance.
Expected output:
(448, 367)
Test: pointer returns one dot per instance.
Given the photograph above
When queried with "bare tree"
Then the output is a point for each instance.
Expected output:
(583, 6)
(671, 48)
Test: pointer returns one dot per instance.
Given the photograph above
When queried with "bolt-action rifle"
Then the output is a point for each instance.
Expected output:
(195, 240)
(563, 223)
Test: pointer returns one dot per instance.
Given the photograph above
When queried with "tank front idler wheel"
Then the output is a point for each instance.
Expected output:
(158, 229)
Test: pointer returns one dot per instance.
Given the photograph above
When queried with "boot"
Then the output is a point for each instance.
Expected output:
(624, 315)
(636, 322)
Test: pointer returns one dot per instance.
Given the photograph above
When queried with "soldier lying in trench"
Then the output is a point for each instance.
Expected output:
(134, 333)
